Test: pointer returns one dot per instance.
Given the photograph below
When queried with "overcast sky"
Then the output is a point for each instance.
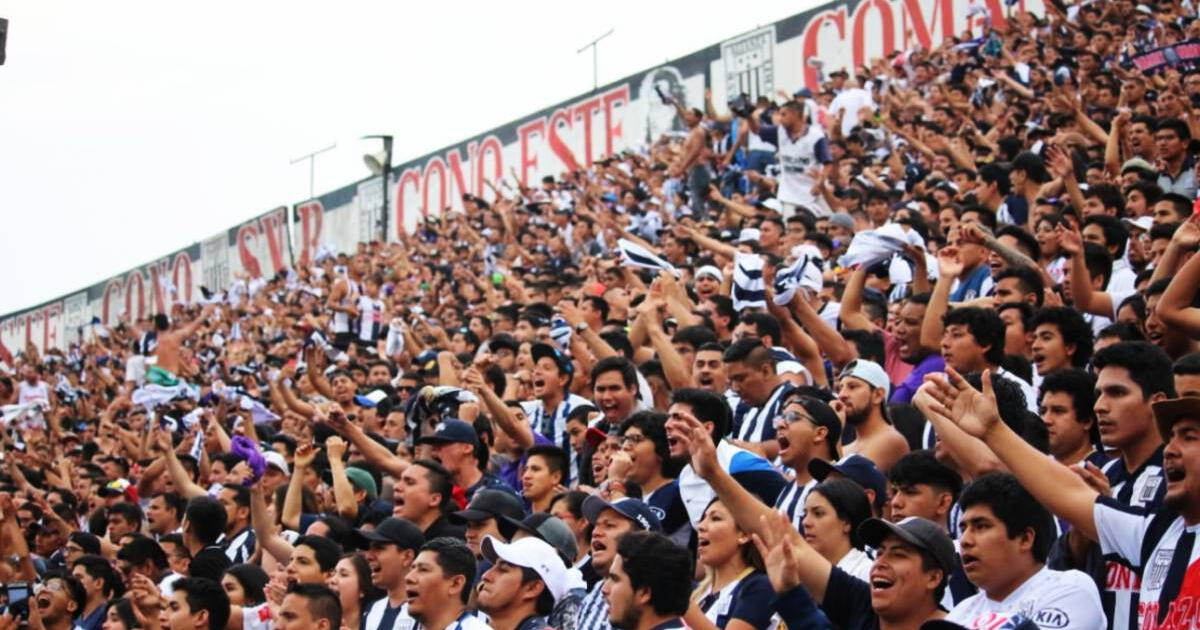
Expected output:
(134, 128)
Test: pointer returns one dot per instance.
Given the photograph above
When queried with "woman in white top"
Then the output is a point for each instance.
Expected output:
(834, 510)
(735, 593)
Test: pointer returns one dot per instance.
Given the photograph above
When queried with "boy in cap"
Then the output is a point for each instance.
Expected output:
(490, 513)
(390, 550)
(609, 521)
(525, 581)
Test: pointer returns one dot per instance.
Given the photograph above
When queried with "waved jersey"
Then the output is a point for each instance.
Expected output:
(1161, 548)
(1054, 600)
(751, 471)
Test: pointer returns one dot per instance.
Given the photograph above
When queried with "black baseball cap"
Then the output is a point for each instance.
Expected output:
(496, 504)
(539, 350)
(919, 532)
(857, 468)
(453, 432)
(632, 509)
(401, 532)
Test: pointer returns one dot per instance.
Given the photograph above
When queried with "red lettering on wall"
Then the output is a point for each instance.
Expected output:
(410, 177)
(612, 124)
(113, 287)
(135, 296)
(458, 182)
(491, 147)
(272, 226)
(181, 276)
(811, 39)
(887, 26)
(922, 29)
(311, 214)
(559, 119)
(585, 111)
(247, 234)
(435, 167)
(529, 158)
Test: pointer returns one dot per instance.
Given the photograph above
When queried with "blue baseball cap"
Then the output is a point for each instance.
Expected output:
(632, 509)
(453, 432)
(856, 468)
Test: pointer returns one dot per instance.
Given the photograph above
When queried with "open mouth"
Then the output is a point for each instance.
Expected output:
(1155, 338)
(969, 562)
(598, 546)
(1174, 473)
(783, 441)
(411, 594)
(705, 380)
(880, 584)
(44, 602)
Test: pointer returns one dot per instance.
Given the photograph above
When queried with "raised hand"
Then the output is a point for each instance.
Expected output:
(335, 447)
(305, 454)
(1070, 241)
(690, 432)
(950, 396)
(1188, 235)
(949, 264)
(777, 546)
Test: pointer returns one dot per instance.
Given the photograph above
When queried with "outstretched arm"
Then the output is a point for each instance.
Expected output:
(975, 412)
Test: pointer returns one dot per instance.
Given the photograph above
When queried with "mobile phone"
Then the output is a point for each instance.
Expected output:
(18, 599)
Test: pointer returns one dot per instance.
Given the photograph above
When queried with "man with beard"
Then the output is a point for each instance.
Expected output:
(391, 548)
(863, 392)
(643, 588)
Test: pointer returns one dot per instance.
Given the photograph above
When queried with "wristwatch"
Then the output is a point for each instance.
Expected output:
(581, 326)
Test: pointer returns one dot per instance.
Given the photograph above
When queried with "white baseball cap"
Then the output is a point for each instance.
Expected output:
(749, 234)
(530, 553)
(275, 459)
(869, 371)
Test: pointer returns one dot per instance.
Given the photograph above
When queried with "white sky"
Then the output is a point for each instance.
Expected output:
(131, 129)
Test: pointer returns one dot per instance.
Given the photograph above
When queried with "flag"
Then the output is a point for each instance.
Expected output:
(748, 290)
(804, 272)
(634, 255)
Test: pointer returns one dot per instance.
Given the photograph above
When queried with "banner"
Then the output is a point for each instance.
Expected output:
(787, 55)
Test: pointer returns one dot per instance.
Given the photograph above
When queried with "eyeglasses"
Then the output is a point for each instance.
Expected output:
(632, 439)
(793, 416)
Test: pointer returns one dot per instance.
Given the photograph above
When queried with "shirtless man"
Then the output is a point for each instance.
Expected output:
(694, 157)
(863, 392)
(344, 297)
(166, 354)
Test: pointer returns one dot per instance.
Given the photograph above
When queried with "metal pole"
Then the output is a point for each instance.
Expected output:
(387, 175)
(311, 157)
(595, 67)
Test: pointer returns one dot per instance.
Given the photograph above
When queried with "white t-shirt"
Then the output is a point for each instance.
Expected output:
(1054, 600)
(27, 393)
(857, 563)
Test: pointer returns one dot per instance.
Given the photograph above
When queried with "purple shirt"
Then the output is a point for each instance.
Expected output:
(511, 472)
(905, 391)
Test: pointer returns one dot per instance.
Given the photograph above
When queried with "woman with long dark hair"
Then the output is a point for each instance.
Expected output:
(833, 512)
(351, 580)
(735, 593)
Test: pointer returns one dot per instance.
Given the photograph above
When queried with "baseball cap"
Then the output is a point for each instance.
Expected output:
(363, 480)
(749, 234)
(822, 416)
(632, 509)
(275, 459)
(86, 541)
(773, 204)
(539, 350)
(802, 93)
(869, 371)
(1168, 412)
(1138, 164)
(710, 270)
(453, 432)
(120, 487)
(550, 529)
(530, 553)
(856, 468)
(399, 531)
(842, 219)
(921, 533)
(491, 504)
(1142, 223)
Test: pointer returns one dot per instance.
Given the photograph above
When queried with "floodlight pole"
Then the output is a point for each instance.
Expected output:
(387, 174)
(312, 158)
(595, 67)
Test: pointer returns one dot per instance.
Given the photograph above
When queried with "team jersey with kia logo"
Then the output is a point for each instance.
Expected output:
(1054, 600)
(1149, 542)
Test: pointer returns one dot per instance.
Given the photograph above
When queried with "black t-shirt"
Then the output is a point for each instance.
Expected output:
(210, 563)
(443, 527)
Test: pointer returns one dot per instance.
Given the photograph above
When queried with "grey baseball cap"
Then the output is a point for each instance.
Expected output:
(919, 532)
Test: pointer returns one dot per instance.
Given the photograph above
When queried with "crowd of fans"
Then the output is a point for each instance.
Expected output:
(917, 348)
